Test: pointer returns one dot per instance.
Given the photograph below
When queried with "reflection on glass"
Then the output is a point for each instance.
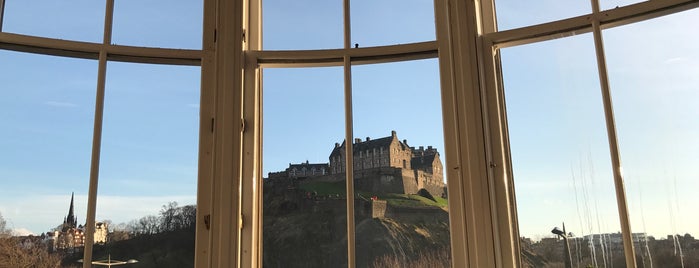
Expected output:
(656, 90)
(514, 13)
(560, 155)
(81, 20)
(380, 23)
(148, 168)
(46, 114)
(168, 24)
(302, 24)
(304, 207)
(401, 213)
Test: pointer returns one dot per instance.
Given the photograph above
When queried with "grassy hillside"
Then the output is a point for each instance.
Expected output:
(338, 189)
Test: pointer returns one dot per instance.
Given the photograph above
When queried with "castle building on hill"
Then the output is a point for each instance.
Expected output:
(385, 165)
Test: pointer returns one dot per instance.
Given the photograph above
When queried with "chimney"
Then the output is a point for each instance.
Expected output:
(422, 148)
(429, 147)
(405, 142)
(368, 139)
(357, 140)
(393, 133)
(337, 145)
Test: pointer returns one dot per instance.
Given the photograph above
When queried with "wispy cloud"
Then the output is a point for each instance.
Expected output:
(676, 60)
(22, 232)
(60, 104)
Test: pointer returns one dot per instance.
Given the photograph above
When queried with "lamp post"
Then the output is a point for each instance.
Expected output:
(109, 262)
(566, 246)
(2, 12)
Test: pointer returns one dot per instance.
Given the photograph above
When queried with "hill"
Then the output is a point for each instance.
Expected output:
(306, 227)
(167, 249)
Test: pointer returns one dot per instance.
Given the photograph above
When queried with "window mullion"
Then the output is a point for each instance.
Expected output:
(612, 137)
(97, 136)
(349, 137)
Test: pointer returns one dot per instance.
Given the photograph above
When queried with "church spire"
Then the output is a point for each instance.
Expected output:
(71, 220)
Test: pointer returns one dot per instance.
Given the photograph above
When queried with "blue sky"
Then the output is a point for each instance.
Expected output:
(560, 152)
(559, 146)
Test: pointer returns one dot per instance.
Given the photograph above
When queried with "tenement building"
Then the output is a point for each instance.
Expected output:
(386, 165)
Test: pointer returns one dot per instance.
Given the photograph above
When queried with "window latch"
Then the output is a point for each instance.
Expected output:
(207, 221)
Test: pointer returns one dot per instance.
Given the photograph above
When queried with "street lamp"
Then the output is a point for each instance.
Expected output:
(566, 247)
(109, 262)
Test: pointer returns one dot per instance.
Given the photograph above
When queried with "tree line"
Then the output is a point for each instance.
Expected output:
(170, 218)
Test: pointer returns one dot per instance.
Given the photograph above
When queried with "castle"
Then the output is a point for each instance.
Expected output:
(384, 165)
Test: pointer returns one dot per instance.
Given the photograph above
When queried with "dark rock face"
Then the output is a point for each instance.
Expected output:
(314, 235)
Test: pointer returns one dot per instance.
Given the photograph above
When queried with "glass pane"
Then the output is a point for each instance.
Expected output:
(656, 91)
(515, 13)
(81, 20)
(170, 24)
(377, 23)
(401, 212)
(612, 4)
(560, 155)
(148, 167)
(302, 24)
(305, 205)
(46, 112)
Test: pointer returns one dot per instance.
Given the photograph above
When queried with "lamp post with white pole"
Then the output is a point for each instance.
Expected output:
(109, 262)
(2, 12)
(566, 246)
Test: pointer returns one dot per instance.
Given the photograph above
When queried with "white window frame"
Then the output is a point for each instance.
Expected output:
(481, 190)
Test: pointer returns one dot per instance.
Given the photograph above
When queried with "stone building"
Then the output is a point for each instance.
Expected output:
(302, 170)
(386, 165)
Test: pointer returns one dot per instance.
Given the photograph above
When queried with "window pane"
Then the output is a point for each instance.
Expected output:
(401, 212)
(305, 207)
(560, 154)
(81, 20)
(302, 24)
(46, 113)
(515, 13)
(148, 167)
(377, 23)
(612, 4)
(656, 91)
(170, 24)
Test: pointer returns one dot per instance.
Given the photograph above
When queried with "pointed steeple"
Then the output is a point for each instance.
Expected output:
(71, 220)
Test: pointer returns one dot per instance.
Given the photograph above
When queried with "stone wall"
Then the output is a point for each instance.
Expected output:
(375, 180)
(378, 208)
(379, 180)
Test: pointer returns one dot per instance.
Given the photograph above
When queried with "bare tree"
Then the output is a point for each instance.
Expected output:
(15, 252)
(168, 217)
(149, 224)
(3, 224)
(189, 216)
